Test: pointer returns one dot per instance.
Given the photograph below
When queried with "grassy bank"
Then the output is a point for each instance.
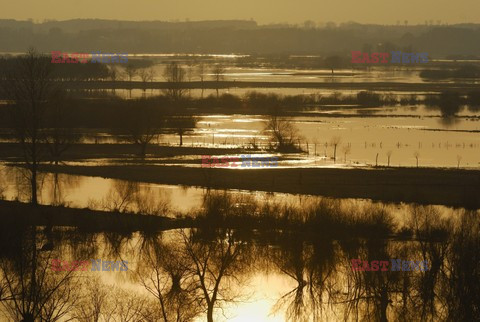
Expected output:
(90, 151)
(458, 188)
(17, 213)
(377, 86)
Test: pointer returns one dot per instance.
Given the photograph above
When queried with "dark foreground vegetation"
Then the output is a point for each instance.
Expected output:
(315, 218)
(197, 272)
(16, 213)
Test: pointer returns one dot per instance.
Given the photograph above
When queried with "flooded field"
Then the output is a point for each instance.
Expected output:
(237, 275)
(439, 144)
(370, 212)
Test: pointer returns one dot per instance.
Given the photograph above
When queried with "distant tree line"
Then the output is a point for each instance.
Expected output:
(112, 112)
(244, 37)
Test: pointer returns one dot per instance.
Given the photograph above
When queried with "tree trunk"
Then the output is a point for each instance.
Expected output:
(27, 318)
(33, 182)
(143, 150)
(210, 312)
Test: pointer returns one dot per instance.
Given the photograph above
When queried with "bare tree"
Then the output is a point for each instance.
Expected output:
(100, 302)
(201, 70)
(459, 159)
(2, 191)
(164, 271)
(335, 141)
(175, 75)
(389, 155)
(218, 71)
(283, 134)
(33, 291)
(214, 263)
(129, 306)
(142, 126)
(333, 62)
(59, 135)
(146, 75)
(182, 125)
(121, 197)
(113, 75)
(93, 304)
(346, 150)
(416, 154)
(131, 71)
(31, 89)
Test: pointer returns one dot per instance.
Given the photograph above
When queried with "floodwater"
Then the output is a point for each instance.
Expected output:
(234, 73)
(234, 275)
(439, 142)
(393, 74)
(400, 132)
(261, 275)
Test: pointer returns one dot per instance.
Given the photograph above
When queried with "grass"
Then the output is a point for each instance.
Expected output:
(430, 186)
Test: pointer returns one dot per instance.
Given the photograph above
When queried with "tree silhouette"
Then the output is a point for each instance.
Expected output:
(175, 75)
(416, 154)
(335, 141)
(31, 88)
(389, 155)
(218, 71)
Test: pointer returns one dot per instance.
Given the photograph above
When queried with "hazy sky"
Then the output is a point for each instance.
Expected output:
(263, 11)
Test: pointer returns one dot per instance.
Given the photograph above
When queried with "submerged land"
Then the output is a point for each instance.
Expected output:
(457, 188)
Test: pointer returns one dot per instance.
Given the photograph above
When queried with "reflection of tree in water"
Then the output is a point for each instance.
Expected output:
(326, 288)
(310, 266)
(61, 183)
(3, 185)
(133, 197)
(21, 180)
(51, 185)
(189, 276)
(450, 105)
(101, 302)
(216, 269)
(30, 290)
(449, 121)
(420, 295)
(461, 286)
(78, 243)
(163, 271)
(369, 294)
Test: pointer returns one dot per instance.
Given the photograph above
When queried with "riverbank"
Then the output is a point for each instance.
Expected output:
(13, 151)
(18, 213)
(449, 187)
(462, 87)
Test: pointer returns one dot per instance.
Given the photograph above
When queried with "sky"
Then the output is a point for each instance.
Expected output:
(262, 11)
